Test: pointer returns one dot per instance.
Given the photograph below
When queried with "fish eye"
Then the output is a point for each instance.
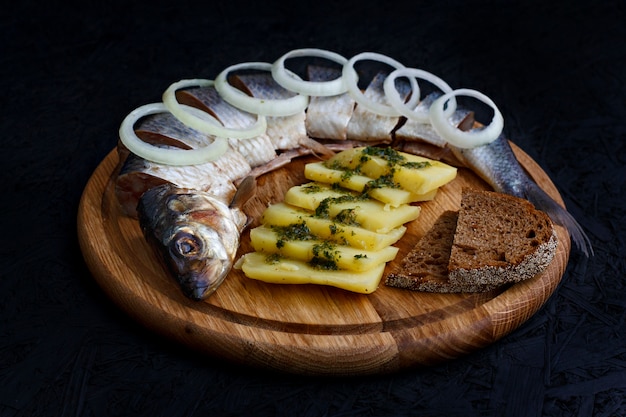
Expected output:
(175, 204)
(186, 244)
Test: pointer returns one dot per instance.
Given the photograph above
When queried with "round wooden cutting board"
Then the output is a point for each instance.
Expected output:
(307, 329)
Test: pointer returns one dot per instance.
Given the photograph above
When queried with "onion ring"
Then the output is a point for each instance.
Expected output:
(166, 156)
(397, 103)
(201, 124)
(292, 82)
(351, 78)
(472, 138)
(264, 107)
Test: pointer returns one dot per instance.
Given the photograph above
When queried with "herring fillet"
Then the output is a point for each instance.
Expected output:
(137, 174)
(369, 126)
(257, 150)
(416, 130)
(285, 132)
(328, 117)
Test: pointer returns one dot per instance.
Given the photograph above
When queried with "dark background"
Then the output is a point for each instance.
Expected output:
(70, 72)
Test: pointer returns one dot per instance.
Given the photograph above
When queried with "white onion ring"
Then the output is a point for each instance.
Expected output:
(351, 79)
(264, 107)
(201, 124)
(397, 103)
(471, 138)
(166, 155)
(292, 82)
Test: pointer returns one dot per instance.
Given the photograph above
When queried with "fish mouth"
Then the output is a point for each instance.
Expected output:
(199, 293)
(199, 283)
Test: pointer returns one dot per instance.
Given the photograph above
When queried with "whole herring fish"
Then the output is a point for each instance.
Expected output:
(185, 212)
(196, 234)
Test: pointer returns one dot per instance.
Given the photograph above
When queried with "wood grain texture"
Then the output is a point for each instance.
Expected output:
(307, 329)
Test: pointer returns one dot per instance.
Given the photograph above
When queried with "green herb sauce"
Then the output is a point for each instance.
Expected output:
(325, 256)
(294, 231)
(273, 258)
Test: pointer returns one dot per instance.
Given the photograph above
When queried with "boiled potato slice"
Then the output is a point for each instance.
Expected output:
(281, 214)
(317, 171)
(350, 208)
(266, 240)
(413, 173)
(258, 266)
(310, 195)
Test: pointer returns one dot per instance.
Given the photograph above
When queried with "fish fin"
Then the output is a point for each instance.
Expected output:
(245, 191)
(559, 215)
(316, 148)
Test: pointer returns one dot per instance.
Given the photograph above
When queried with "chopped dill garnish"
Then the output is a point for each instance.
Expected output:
(294, 231)
(384, 181)
(390, 155)
(273, 258)
(415, 165)
(323, 209)
(347, 217)
(311, 188)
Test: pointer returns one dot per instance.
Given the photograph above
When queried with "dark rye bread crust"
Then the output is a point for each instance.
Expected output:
(494, 239)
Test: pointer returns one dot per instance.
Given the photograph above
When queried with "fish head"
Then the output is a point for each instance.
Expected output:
(197, 257)
(195, 234)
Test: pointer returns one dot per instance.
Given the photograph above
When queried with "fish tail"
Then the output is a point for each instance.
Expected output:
(559, 215)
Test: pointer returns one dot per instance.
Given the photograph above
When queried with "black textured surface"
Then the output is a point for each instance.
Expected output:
(68, 76)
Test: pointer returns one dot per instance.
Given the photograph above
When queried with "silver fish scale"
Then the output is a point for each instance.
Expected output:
(285, 132)
(166, 124)
(328, 117)
(497, 165)
(255, 151)
(416, 130)
(367, 126)
(233, 163)
(258, 150)
(264, 86)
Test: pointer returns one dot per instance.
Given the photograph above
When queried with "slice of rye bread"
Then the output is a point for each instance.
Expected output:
(499, 239)
(494, 239)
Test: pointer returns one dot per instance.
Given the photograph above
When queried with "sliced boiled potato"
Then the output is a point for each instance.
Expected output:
(350, 208)
(338, 229)
(282, 214)
(412, 173)
(277, 270)
(424, 180)
(318, 171)
(310, 195)
(269, 240)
